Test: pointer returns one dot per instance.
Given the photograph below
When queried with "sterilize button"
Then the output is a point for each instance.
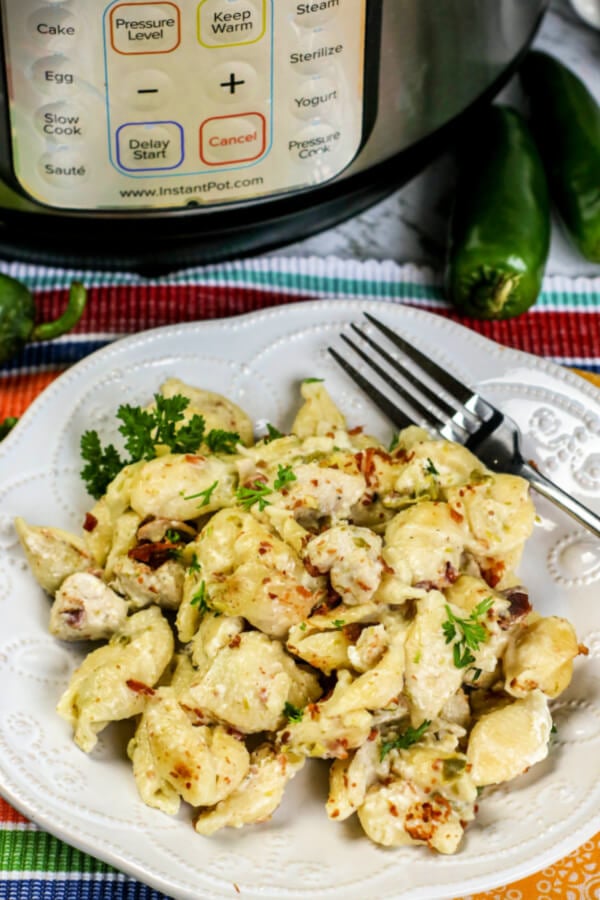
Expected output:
(231, 22)
(62, 123)
(148, 146)
(316, 97)
(64, 169)
(145, 28)
(316, 12)
(54, 27)
(232, 139)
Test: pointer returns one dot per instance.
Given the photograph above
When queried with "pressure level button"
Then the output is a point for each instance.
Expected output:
(137, 28)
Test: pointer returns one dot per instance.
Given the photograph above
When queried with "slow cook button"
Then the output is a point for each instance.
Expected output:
(232, 139)
(61, 122)
(64, 169)
(316, 97)
(149, 146)
(231, 22)
(315, 143)
(309, 15)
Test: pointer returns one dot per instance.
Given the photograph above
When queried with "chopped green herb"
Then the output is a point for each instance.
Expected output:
(467, 633)
(206, 494)
(102, 464)
(406, 739)
(311, 380)
(255, 493)
(284, 476)
(219, 441)
(200, 598)
(293, 713)
(272, 433)
(430, 468)
(194, 565)
(395, 441)
(452, 767)
(338, 623)
(172, 535)
(302, 626)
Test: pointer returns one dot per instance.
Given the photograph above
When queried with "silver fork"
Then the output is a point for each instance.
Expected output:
(459, 414)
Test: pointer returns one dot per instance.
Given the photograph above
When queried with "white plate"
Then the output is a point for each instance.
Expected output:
(258, 360)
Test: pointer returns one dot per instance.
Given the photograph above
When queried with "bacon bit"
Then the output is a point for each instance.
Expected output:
(271, 595)
(303, 591)
(90, 522)
(454, 514)
(138, 687)
(201, 719)
(492, 575)
(373, 734)
(153, 555)
(194, 458)
(358, 429)
(264, 547)
(313, 710)
(353, 631)
(286, 736)
(519, 607)
(451, 573)
(393, 809)
(235, 642)
(386, 570)
(312, 570)
(314, 482)
(334, 814)
(582, 650)
(73, 616)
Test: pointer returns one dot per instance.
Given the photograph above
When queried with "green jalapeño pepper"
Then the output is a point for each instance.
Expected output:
(500, 225)
(17, 316)
(565, 120)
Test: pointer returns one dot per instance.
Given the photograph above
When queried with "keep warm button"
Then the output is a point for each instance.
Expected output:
(232, 139)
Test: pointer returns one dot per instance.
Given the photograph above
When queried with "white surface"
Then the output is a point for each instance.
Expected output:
(411, 225)
(258, 360)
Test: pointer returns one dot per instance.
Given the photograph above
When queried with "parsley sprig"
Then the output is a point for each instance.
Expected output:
(406, 739)
(257, 491)
(143, 431)
(467, 634)
(293, 713)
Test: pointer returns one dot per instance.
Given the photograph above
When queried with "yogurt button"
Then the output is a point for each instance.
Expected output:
(316, 97)
(64, 169)
(61, 123)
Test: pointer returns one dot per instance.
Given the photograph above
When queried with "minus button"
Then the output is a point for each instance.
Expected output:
(143, 89)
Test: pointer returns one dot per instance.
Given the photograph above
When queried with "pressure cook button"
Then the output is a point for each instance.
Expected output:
(54, 27)
(317, 143)
(316, 12)
(145, 28)
(232, 139)
(316, 97)
(149, 146)
(64, 169)
(61, 122)
(231, 22)
(55, 75)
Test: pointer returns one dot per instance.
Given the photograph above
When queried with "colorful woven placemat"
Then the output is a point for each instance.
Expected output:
(563, 326)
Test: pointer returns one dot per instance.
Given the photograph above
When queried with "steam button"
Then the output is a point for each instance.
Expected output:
(316, 12)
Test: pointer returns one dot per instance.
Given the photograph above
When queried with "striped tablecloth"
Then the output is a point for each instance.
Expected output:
(564, 326)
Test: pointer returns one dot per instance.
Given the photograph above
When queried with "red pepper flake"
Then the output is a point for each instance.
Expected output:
(454, 514)
(235, 642)
(138, 687)
(358, 429)
(90, 522)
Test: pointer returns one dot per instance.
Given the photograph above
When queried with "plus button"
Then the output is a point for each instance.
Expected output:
(232, 83)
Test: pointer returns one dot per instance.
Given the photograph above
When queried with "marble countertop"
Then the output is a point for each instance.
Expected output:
(411, 224)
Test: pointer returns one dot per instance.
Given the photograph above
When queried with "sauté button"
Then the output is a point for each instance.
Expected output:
(232, 139)
(64, 169)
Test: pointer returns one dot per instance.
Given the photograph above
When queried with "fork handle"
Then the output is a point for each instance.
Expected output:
(568, 504)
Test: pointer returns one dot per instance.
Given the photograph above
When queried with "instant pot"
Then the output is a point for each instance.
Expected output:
(158, 134)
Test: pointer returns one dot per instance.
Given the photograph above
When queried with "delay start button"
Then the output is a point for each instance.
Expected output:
(233, 139)
(149, 146)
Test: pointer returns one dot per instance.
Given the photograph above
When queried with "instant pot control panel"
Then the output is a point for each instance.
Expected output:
(136, 105)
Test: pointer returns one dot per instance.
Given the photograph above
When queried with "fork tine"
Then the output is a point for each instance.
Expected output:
(428, 415)
(393, 412)
(407, 375)
(447, 381)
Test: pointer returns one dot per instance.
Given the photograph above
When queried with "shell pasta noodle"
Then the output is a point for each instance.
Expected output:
(258, 602)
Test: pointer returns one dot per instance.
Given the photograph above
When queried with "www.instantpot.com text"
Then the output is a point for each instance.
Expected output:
(178, 190)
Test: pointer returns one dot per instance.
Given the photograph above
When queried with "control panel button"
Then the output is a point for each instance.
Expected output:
(317, 143)
(64, 169)
(145, 28)
(231, 22)
(316, 52)
(315, 97)
(316, 12)
(55, 75)
(145, 89)
(232, 82)
(53, 27)
(149, 146)
(62, 123)
(232, 139)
